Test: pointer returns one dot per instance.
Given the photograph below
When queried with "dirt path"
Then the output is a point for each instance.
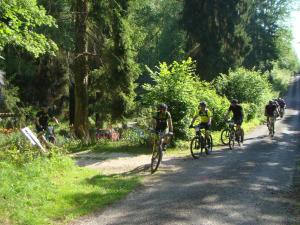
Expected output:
(252, 185)
(120, 163)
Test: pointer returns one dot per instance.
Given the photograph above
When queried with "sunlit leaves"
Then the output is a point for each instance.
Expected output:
(19, 24)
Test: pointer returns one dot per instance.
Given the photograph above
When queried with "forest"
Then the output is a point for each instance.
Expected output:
(102, 64)
(92, 59)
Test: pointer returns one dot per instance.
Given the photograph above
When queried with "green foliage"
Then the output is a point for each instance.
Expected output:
(217, 34)
(174, 85)
(11, 97)
(267, 29)
(113, 79)
(19, 26)
(251, 111)
(247, 86)
(135, 136)
(156, 32)
(280, 78)
(177, 85)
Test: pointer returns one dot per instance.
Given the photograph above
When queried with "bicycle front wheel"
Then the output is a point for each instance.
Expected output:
(231, 140)
(156, 157)
(225, 136)
(196, 147)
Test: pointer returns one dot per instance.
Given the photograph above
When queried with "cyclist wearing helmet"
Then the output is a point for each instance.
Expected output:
(238, 116)
(203, 117)
(271, 110)
(282, 106)
(162, 122)
(41, 123)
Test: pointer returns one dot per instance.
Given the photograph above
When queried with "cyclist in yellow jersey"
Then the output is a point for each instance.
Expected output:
(203, 118)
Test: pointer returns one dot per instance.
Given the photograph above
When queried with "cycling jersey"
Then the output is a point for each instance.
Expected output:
(237, 111)
(203, 116)
(271, 109)
(281, 103)
(161, 120)
(43, 119)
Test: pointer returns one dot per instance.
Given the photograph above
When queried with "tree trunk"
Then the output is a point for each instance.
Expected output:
(81, 71)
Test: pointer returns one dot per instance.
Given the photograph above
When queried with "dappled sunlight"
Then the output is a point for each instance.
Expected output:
(251, 184)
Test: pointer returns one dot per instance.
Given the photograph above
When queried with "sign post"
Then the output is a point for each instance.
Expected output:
(32, 138)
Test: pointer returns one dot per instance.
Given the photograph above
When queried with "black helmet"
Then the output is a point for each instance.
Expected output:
(163, 106)
(234, 101)
(202, 103)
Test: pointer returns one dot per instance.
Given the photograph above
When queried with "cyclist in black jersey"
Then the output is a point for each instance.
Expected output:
(162, 122)
(41, 123)
(238, 116)
(271, 110)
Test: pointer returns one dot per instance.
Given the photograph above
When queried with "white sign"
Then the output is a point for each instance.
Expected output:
(32, 138)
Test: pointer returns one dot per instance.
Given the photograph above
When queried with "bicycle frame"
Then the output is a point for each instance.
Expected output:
(157, 150)
(200, 142)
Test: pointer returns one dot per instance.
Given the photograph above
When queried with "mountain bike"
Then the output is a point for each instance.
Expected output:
(271, 125)
(282, 111)
(157, 149)
(233, 134)
(225, 134)
(199, 143)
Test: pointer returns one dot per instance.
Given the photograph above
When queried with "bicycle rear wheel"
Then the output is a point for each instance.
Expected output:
(270, 125)
(231, 140)
(156, 157)
(196, 147)
(225, 136)
(272, 128)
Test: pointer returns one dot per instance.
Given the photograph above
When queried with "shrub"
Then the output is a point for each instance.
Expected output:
(177, 85)
(280, 79)
(247, 86)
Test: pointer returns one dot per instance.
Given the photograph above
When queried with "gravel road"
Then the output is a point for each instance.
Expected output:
(249, 185)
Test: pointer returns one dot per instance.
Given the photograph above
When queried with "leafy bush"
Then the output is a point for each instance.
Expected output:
(174, 85)
(250, 111)
(247, 86)
(280, 78)
(177, 85)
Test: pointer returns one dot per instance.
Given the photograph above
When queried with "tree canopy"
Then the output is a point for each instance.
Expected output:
(20, 21)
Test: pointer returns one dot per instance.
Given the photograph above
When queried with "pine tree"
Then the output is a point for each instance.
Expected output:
(80, 69)
(216, 32)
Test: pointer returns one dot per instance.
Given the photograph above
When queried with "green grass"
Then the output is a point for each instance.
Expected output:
(109, 146)
(54, 191)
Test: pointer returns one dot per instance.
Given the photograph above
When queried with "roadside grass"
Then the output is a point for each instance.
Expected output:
(111, 146)
(55, 191)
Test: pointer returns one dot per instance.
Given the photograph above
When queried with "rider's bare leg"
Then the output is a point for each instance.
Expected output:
(43, 140)
(240, 132)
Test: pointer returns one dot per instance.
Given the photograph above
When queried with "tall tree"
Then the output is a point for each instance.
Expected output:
(114, 61)
(216, 32)
(80, 69)
(265, 27)
(44, 79)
